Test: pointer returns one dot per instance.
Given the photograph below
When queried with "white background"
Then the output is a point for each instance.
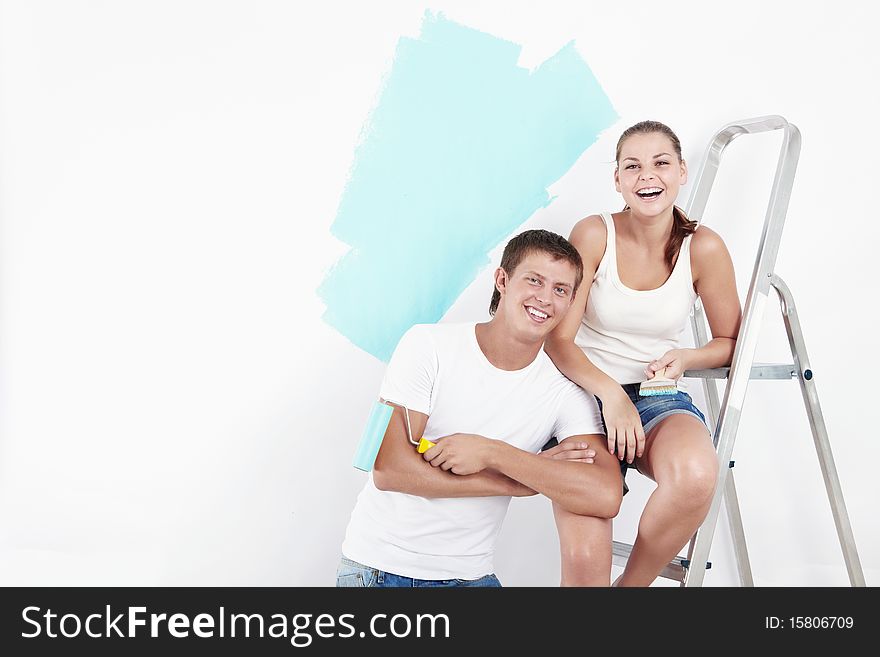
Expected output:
(175, 412)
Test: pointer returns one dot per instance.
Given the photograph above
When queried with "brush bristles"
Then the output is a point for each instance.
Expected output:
(657, 387)
(657, 391)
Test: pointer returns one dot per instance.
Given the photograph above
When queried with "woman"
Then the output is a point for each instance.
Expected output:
(648, 264)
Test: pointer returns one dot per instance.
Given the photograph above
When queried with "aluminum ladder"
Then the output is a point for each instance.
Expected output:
(725, 417)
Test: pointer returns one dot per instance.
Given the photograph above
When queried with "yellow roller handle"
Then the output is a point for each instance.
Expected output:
(424, 445)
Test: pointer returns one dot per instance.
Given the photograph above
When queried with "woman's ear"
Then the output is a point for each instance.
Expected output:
(684, 173)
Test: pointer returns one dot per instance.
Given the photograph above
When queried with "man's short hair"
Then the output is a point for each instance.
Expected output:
(542, 241)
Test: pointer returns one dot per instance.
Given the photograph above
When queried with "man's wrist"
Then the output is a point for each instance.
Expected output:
(495, 453)
(520, 490)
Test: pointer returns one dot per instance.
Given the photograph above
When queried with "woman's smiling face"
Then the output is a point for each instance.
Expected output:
(649, 173)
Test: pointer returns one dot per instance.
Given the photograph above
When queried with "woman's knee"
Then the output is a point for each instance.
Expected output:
(682, 460)
(693, 479)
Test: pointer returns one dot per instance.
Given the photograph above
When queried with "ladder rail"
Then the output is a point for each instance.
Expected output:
(820, 433)
(730, 409)
(740, 550)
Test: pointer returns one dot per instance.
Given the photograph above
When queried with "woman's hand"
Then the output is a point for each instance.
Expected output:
(675, 362)
(625, 433)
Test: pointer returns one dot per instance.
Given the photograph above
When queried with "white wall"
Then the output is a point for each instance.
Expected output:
(175, 412)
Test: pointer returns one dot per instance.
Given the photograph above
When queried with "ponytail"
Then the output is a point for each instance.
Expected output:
(681, 228)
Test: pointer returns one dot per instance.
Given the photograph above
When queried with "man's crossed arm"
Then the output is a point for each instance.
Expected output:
(576, 476)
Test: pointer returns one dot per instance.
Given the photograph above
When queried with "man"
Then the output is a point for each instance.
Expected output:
(490, 398)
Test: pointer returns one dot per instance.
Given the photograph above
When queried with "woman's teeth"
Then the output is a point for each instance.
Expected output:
(649, 192)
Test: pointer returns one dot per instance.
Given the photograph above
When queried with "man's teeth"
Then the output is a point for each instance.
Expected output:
(536, 313)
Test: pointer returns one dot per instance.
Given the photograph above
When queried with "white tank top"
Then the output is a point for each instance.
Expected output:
(622, 329)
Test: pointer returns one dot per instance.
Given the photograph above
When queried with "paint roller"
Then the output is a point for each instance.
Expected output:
(374, 432)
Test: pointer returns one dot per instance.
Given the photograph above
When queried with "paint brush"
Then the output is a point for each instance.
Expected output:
(659, 385)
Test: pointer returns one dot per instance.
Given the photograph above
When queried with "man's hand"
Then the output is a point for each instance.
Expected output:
(571, 450)
(461, 453)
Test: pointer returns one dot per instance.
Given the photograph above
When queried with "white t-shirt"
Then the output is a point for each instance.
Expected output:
(440, 370)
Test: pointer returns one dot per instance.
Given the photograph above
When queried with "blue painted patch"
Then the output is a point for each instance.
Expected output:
(459, 151)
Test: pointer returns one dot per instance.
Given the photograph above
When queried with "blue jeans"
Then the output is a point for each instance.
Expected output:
(353, 574)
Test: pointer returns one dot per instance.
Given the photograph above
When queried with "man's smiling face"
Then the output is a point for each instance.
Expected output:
(537, 294)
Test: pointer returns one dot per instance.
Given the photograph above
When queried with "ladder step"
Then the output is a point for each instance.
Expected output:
(759, 371)
(675, 570)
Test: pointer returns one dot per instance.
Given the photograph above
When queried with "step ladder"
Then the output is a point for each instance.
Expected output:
(725, 416)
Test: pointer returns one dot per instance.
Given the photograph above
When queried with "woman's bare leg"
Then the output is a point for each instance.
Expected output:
(680, 457)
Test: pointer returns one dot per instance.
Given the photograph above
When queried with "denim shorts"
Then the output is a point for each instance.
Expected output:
(658, 407)
(353, 574)
(651, 411)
